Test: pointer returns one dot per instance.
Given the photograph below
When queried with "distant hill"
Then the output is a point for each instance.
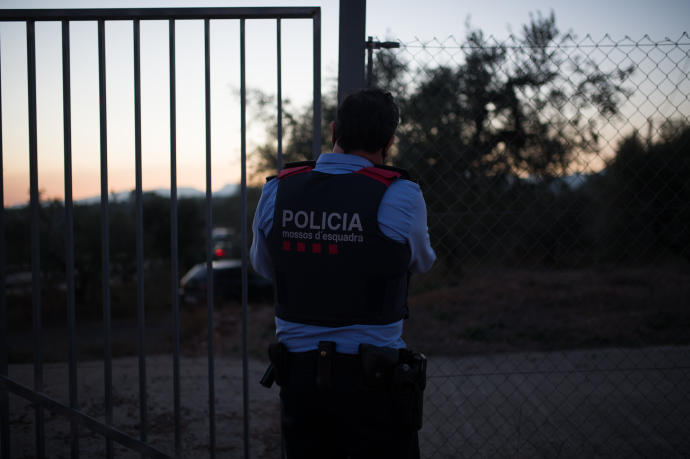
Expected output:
(229, 189)
(557, 184)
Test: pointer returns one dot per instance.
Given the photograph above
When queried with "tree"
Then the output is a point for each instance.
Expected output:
(475, 132)
(472, 133)
(297, 132)
(519, 110)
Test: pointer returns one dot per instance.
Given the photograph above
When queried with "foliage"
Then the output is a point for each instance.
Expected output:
(493, 139)
(473, 133)
(521, 111)
(643, 197)
(297, 133)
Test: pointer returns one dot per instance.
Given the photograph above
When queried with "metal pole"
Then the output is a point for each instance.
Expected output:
(129, 14)
(279, 95)
(4, 396)
(173, 243)
(317, 84)
(69, 237)
(351, 46)
(105, 236)
(35, 238)
(141, 316)
(243, 137)
(209, 234)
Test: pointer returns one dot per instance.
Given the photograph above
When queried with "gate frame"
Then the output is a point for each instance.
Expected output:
(36, 395)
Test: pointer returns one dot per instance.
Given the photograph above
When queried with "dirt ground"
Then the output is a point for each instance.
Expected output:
(194, 409)
(613, 403)
(513, 311)
(525, 310)
(485, 312)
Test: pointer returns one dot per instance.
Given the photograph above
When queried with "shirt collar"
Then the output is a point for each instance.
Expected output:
(343, 159)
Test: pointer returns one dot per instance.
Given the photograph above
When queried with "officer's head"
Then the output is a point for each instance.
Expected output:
(366, 120)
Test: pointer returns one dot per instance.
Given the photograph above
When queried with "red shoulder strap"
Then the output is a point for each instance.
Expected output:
(293, 171)
(384, 176)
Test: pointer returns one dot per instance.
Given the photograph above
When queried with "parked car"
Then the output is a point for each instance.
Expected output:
(227, 283)
(223, 245)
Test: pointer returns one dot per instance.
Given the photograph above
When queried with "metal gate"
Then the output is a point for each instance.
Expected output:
(36, 394)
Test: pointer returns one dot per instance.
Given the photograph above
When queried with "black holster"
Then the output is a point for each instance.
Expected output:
(278, 354)
(408, 383)
(403, 373)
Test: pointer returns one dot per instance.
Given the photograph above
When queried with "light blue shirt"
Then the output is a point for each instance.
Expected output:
(401, 217)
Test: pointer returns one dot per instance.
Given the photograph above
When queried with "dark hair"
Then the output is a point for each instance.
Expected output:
(366, 120)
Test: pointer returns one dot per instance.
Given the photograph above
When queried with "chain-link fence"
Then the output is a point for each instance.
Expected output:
(556, 172)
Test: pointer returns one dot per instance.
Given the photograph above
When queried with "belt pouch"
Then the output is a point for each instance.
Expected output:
(377, 365)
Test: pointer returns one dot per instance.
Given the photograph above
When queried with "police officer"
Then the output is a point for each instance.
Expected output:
(339, 238)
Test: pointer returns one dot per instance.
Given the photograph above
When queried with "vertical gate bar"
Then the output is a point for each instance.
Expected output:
(141, 317)
(209, 231)
(69, 236)
(173, 242)
(4, 394)
(317, 84)
(370, 60)
(280, 95)
(243, 136)
(105, 236)
(35, 239)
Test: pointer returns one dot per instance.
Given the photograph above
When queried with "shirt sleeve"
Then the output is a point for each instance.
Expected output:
(263, 221)
(402, 217)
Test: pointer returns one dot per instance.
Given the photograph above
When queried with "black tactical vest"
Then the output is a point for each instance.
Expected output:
(332, 264)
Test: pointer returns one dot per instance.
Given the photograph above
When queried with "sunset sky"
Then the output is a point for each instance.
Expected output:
(404, 20)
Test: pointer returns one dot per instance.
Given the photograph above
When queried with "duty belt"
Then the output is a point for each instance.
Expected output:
(400, 372)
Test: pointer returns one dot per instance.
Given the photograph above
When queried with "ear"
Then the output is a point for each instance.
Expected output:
(333, 132)
(384, 153)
